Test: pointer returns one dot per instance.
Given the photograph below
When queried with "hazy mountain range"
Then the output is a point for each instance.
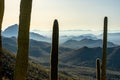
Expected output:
(12, 31)
(78, 57)
(86, 42)
(74, 51)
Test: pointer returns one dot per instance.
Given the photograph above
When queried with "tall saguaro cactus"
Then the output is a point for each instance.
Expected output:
(1, 19)
(23, 40)
(104, 56)
(98, 70)
(54, 52)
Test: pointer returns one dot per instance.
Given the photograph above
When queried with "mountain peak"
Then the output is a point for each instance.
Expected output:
(11, 31)
(12, 27)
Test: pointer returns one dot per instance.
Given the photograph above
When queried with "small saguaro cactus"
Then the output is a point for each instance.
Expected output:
(54, 52)
(104, 55)
(23, 40)
(98, 69)
(1, 19)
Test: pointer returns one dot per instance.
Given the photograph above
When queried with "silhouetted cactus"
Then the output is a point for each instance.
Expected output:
(104, 56)
(1, 19)
(23, 40)
(98, 69)
(54, 52)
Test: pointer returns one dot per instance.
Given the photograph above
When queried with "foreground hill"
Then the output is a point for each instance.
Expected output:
(35, 71)
(87, 57)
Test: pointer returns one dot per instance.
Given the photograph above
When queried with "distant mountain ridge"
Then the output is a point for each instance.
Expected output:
(112, 37)
(85, 42)
(12, 31)
(84, 56)
(37, 49)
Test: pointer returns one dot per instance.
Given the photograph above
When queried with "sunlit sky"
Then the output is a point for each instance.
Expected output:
(71, 14)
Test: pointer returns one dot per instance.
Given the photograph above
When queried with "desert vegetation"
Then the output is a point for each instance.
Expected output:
(102, 75)
(54, 51)
(24, 69)
(1, 19)
(23, 40)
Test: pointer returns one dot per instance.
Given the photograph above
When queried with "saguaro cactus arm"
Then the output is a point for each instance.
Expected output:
(98, 69)
(23, 40)
(1, 19)
(104, 56)
(54, 52)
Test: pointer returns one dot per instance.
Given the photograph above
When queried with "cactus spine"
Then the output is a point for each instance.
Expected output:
(104, 55)
(54, 52)
(1, 19)
(98, 73)
(23, 40)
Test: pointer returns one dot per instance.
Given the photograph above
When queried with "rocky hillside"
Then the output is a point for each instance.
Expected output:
(35, 71)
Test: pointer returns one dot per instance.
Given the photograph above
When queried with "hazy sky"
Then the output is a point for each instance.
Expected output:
(71, 14)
